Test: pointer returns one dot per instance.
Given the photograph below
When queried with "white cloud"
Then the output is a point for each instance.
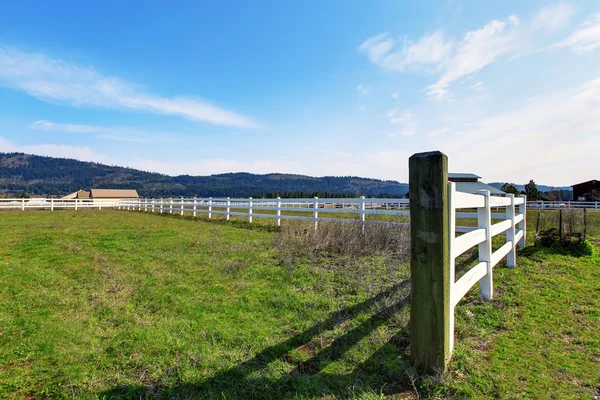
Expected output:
(438, 132)
(82, 153)
(396, 95)
(363, 89)
(102, 132)
(430, 49)
(553, 17)
(552, 140)
(55, 80)
(44, 125)
(450, 59)
(586, 38)
(479, 48)
(377, 46)
(477, 86)
(397, 117)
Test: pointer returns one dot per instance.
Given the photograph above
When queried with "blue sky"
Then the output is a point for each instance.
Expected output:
(508, 90)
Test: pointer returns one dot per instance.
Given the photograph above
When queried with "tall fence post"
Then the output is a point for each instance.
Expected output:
(228, 210)
(76, 201)
(153, 201)
(484, 221)
(316, 213)
(23, 204)
(523, 223)
(181, 206)
(51, 204)
(145, 205)
(250, 209)
(511, 257)
(170, 205)
(430, 253)
(99, 205)
(195, 202)
(209, 207)
(278, 211)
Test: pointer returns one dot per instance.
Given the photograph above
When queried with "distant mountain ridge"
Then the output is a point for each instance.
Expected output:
(38, 175)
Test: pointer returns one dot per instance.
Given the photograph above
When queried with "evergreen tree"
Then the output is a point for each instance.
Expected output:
(532, 191)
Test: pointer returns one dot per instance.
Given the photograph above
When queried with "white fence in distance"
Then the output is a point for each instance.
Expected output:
(257, 208)
(557, 205)
(55, 204)
(512, 225)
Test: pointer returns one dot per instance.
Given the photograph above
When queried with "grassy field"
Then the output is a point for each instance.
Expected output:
(120, 305)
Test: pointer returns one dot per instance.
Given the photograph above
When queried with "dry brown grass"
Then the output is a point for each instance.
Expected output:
(346, 239)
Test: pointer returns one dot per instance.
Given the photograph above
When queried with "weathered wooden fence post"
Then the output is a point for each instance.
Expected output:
(429, 264)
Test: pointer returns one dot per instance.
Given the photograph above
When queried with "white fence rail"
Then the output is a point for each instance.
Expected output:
(313, 208)
(556, 205)
(55, 204)
(512, 225)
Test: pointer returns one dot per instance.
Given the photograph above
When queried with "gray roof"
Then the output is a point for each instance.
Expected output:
(463, 175)
(474, 187)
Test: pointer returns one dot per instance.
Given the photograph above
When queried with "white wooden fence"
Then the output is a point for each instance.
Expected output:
(556, 205)
(312, 209)
(55, 204)
(512, 225)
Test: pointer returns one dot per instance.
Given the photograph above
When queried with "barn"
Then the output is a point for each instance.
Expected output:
(587, 191)
(111, 195)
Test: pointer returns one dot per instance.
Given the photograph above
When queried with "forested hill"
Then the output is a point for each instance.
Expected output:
(35, 175)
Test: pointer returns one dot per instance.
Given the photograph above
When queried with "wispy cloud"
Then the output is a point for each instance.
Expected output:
(82, 153)
(562, 123)
(58, 81)
(394, 54)
(478, 49)
(363, 89)
(377, 47)
(553, 17)
(451, 59)
(103, 132)
(396, 116)
(477, 86)
(586, 38)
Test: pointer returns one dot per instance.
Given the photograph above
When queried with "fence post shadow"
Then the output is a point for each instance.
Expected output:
(236, 382)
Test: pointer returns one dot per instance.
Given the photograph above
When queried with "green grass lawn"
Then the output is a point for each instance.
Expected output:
(117, 304)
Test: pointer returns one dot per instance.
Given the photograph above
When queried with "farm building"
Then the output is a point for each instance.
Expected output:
(80, 194)
(587, 191)
(113, 194)
(469, 183)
